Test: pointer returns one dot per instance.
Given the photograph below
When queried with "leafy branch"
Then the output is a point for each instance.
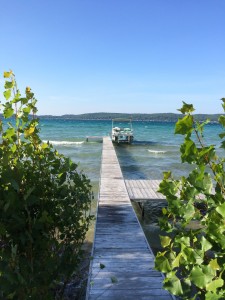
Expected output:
(193, 258)
(44, 204)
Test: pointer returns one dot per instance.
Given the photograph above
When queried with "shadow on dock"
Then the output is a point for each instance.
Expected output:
(152, 209)
(128, 164)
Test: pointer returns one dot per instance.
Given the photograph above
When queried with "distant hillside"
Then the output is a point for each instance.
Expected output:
(160, 117)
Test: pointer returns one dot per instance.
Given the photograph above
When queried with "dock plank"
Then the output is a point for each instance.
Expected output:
(144, 190)
(123, 263)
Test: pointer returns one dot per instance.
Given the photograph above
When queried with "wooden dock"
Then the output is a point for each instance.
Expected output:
(123, 263)
(141, 190)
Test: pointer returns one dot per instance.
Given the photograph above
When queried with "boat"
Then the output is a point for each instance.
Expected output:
(122, 134)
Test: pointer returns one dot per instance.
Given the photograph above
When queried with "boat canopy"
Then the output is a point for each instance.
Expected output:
(122, 134)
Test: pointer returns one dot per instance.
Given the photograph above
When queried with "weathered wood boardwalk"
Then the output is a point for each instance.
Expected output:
(144, 190)
(123, 264)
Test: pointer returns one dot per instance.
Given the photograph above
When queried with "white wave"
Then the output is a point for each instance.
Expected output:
(157, 151)
(64, 142)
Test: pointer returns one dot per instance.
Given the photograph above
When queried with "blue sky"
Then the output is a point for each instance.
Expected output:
(133, 56)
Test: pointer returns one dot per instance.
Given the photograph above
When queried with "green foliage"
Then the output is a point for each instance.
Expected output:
(193, 256)
(44, 205)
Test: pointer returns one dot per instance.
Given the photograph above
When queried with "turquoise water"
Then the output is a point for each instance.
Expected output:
(155, 148)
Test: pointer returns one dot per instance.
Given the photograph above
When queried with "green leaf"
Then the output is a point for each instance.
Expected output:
(167, 188)
(7, 74)
(13, 148)
(44, 146)
(28, 89)
(223, 104)
(200, 277)
(193, 256)
(189, 211)
(207, 184)
(8, 112)
(9, 133)
(29, 131)
(200, 126)
(201, 181)
(207, 153)
(114, 279)
(166, 175)
(62, 177)
(189, 151)
(101, 266)
(173, 285)
(164, 211)
(176, 261)
(222, 120)
(165, 241)
(29, 95)
(7, 94)
(9, 84)
(214, 285)
(27, 110)
(222, 135)
(221, 210)
(185, 240)
(206, 245)
(24, 100)
(214, 264)
(213, 296)
(162, 263)
(184, 125)
(186, 108)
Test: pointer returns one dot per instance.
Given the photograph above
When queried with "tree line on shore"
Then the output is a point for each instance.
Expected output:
(156, 117)
(160, 117)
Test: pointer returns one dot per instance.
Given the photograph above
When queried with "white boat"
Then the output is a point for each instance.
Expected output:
(124, 133)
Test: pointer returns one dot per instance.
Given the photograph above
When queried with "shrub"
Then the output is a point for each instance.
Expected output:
(193, 257)
(44, 204)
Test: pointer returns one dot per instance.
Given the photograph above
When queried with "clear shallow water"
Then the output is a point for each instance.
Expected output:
(155, 150)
